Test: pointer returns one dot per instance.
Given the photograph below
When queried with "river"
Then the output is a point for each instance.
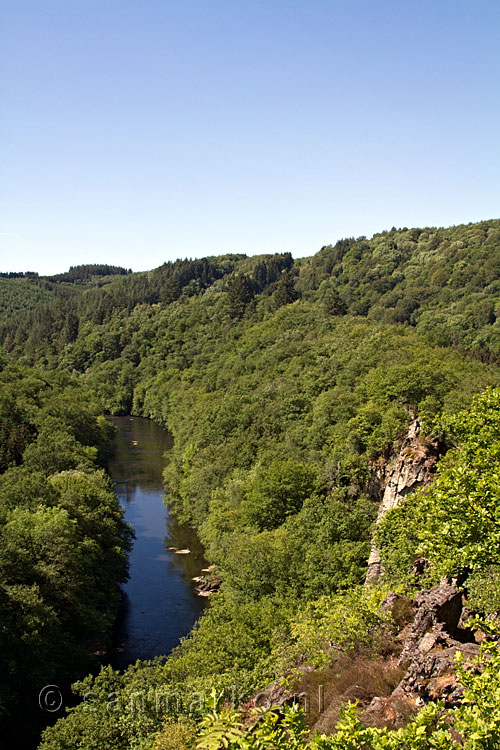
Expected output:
(161, 605)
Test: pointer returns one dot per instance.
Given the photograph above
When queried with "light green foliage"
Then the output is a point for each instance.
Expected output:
(264, 728)
(176, 735)
(429, 731)
(454, 523)
(284, 728)
(478, 717)
(483, 590)
(475, 723)
(329, 625)
(220, 729)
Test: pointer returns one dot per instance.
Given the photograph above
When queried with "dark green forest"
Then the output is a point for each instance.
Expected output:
(63, 540)
(288, 387)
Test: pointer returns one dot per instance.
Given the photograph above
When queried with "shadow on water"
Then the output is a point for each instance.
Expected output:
(160, 603)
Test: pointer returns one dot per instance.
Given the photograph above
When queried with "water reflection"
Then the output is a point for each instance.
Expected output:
(161, 604)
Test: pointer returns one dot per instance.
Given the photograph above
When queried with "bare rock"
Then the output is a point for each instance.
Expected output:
(207, 585)
(432, 674)
(441, 605)
(413, 467)
(401, 608)
(278, 695)
(390, 600)
(432, 641)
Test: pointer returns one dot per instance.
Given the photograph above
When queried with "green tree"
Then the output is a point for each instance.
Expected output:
(239, 293)
(277, 492)
(334, 304)
(285, 291)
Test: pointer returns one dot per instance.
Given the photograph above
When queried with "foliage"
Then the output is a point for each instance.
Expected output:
(272, 728)
(176, 735)
(239, 293)
(455, 523)
(483, 590)
(63, 541)
(276, 492)
(442, 281)
(475, 723)
(328, 625)
(88, 272)
(287, 386)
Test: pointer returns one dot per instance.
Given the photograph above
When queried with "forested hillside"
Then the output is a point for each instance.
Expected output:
(27, 298)
(63, 546)
(288, 386)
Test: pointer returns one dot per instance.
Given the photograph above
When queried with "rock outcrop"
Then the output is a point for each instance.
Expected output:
(438, 610)
(413, 467)
(431, 641)
(207, 584)
(278, 695)
(417, 666)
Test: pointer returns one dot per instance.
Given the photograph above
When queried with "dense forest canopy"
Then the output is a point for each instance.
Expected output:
(288, 386)
(63, 540)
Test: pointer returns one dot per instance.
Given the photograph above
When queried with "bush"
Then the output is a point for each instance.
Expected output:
(455, 522)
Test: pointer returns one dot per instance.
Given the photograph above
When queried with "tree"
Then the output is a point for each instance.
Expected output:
(239, 293)
(285, 291)
(334, 304)
(277, 492)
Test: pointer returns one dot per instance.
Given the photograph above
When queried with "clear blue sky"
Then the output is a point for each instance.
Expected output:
(133, 132)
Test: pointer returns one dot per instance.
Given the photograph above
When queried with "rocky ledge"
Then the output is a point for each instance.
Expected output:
(422, 663)
(413, 467)
(430, 643)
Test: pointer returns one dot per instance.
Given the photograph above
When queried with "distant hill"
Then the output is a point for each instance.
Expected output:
(444, 282)
(289, 387)
(88, 273)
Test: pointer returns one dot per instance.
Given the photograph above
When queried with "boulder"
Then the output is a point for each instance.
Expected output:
(431, 674)
(430, 646)
(207, 585)
(441, 605)
(278, 695)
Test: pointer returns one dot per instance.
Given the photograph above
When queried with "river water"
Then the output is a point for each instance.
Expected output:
(161, 605)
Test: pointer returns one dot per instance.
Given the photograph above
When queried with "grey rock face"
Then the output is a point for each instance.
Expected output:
(439, 606)
(413, 467)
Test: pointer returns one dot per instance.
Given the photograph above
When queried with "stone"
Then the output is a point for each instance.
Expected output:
(441, 605)
(431, 644)
(413, 467)
(277, 695)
